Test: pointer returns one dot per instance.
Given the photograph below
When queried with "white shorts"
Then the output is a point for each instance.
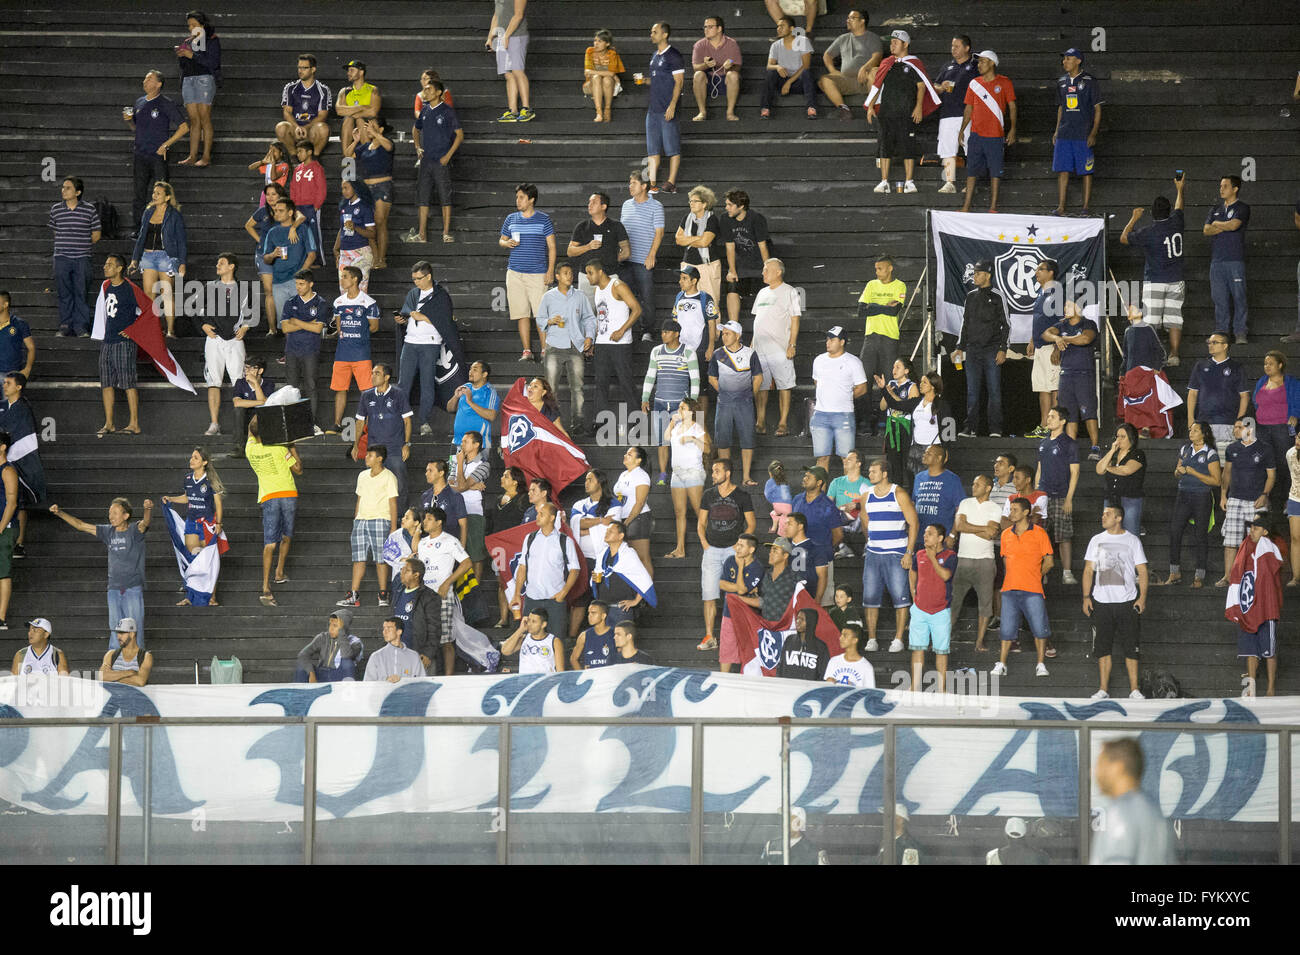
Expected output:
(222, 356)
(778, 371)
(1164, 303)
(948, 129)
(1045, 376)
(363, 259)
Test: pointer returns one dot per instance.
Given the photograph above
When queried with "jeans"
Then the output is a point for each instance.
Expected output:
(982, 369)
(569, 361)
(419, 361)
(613, 362)
(125, 603)
(831, 431)
(642, 282)
(300, 371)
(775, 81)
(1228, 289)
(281, 292)
(1132, 514)
(557, 613)
(395, 464)
(878, 355)
(70, 282)
(1280, 439)
(346, 670)
(1195, 506)
(146, 170)
(1026, 604)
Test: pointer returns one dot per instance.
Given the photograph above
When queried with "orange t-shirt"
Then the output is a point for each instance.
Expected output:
(607, 59)
(1022, 555)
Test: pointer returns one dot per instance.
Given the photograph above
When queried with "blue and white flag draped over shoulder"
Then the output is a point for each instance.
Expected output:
(627, 565)
(1015, 244)
(199, 571)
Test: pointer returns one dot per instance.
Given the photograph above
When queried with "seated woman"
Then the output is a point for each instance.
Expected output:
(601, 68)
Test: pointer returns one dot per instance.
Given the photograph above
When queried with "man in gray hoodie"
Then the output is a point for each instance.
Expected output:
(333, 654)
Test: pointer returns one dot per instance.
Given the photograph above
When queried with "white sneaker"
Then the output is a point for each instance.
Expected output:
(1068, 578)
(1136, 695)
(1040, 670)
(883, 187)
(948, 188)
(317, 431)
(1100, 695)
(909, 186)
(896, 646)
(426, 429)
(999, 669)
(213, 429)
(872, 645)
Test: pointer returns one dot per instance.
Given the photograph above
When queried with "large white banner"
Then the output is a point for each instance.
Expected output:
(242, 771)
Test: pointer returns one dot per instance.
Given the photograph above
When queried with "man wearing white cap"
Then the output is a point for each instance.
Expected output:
(39, 656)
(736, 373)
(1017, 850)
(839, 378)
(990, 112)
(902, 95)
(802, 852)
(951, 84)
(128, 663)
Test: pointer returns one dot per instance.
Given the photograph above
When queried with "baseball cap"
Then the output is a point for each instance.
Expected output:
(784, 544)
(731, 327)
(1016, 828)
(818, 472)
(692, 271)
(1073, 51)
(989, 55)
(983, 265)
(835, 331)
(42, 623)
(358, 64)
(900, 811)
(1261, 520)
(126, 625)
(671, 325)
(800, 820)
(900, 35)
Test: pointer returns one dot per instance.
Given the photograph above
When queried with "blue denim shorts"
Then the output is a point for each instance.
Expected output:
(159, 261)
(199, 89)
(881, 571)
(277, 519)
(832, 431)
(734, 414)
(662, 135)
(1032, 607)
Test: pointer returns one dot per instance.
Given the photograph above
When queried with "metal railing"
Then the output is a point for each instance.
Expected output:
(505, 726)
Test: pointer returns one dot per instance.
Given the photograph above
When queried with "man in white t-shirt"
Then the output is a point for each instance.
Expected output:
(850, 667)
(978, 525)
(445, 562)
(776, 329)
(840, 378)
(1114, 597)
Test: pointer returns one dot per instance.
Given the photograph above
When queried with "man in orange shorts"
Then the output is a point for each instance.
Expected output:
(356, 315)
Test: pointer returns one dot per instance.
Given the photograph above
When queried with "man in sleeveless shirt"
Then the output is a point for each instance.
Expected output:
(889, 523)
(40, 656)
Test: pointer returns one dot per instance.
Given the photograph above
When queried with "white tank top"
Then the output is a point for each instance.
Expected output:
(537, 655)
(611, 315)
(47, 662)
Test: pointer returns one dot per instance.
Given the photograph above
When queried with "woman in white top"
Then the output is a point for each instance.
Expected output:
(690, 443)
(1293, 509)
(588, 511)
(632, 493)
(927, 420)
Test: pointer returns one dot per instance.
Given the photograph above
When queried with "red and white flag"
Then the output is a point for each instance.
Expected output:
(504, 548)
(531, 442)
(1255, 585)
(760, 641)
(146, 332)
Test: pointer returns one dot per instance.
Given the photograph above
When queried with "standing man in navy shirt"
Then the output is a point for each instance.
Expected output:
(306, 106)
(1163, 288)
(1078, 117)
(76, 228)
(1218, 391)
(1076, 340)
(386, 414)
(153, 117)
(1226, 227)
(951, 84)
(440, 137)
(1058, 477)
(662, 135)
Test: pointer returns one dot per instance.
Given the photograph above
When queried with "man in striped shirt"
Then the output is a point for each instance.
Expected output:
(643, 219)
(673, 375)
(889, 524)
(76, 228)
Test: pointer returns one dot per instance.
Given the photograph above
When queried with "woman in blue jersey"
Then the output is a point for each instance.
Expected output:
(203, 493)
(373, 152)
(1198, 477)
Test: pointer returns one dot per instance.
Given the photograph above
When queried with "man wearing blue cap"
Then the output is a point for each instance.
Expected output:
(1078, 117)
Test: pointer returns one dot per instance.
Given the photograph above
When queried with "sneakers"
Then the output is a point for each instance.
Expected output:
(1039, 432)
(1242, 340)
(526, 355)
(1292, 338)
(316, 431)
(1094, 454)
(896, 646)
(872, 645)
(883, 187)
(844, 550)
(426, 429)
(509, 116)
(383, 598)
(948, 188)
(1100, 695)
(1040, 669)
(19, 551)
(1068, 578)
(647, 337)
(662, 480)
(213, 429)
(669, 187)
(995, 434)
(909, 186)
(844, 113)
(525, 115)
(999, 669)
(353, 599)
(708, 643)
(1136, 695)
(4, 625)
(967, 434)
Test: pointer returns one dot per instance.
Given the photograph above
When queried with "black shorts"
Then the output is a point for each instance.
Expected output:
(898, 139)
(1115, 628)
(639, 527)
(434, 177)
(117, 364)
(746, 286)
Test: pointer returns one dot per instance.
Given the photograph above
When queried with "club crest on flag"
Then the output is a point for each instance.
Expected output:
(1015, 270)
(519, 432)
(1246, 593)
(769, 647)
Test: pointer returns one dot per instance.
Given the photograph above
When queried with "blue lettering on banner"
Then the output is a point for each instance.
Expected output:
(1242, 773)
(13, 739)
(286, 745)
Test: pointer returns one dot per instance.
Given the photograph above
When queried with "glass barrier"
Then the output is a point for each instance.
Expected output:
(53, 814)
(836, 778)
(406, 794)
(742, 795)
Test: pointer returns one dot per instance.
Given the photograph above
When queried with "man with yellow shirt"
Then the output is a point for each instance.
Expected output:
(879, 308)
(275, 465)
(373, 520)
(358, 100)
